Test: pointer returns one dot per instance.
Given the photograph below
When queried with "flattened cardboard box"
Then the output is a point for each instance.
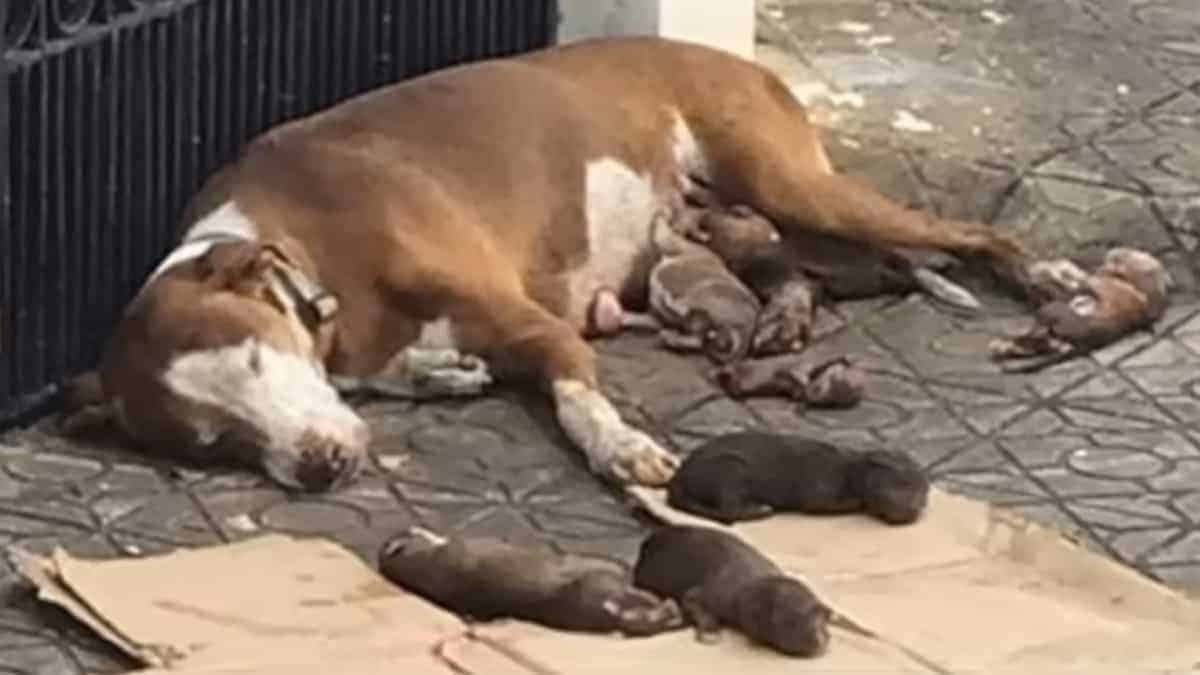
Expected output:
(967, 589)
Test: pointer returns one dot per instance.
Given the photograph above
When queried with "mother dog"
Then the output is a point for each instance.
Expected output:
(477, 209)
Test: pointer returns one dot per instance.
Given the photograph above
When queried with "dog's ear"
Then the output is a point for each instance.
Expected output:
(228, 264)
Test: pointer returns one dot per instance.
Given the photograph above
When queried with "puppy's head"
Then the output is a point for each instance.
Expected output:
(892, 486)
(835, 384)
(785, 614)
(223, 356)
(1142, 270)
(722, 342)
(738, 232)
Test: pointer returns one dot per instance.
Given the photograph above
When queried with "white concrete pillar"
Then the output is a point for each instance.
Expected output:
(726, 24)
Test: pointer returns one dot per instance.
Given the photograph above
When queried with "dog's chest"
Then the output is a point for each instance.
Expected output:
(620, 203)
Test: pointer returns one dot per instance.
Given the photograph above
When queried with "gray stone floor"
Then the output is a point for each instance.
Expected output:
(1073, 122)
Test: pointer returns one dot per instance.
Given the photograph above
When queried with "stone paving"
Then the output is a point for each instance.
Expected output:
(1090, 140)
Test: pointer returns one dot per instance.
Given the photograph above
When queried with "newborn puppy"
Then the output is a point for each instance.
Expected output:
(1083, 312)
(693, 296)
(832, 383)
(489, 579)
(751, 474)
(792, 277)
(751, 248)
(720, 580)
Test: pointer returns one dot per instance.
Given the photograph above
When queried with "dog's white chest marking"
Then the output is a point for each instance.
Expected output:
(620, 205)
(689, 156)
(225, 223)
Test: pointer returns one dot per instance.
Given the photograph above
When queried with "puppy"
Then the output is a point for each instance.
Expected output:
(793, 277)
(831, 383)
(718, 579)
(694, 300)
(738, 235)
(489, 579)
(750, 475)
(1083, 312)
(835, 383)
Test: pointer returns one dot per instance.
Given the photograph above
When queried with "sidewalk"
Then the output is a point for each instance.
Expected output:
(1070, 121)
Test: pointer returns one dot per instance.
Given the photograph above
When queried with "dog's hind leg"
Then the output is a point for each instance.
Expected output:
(773, 160)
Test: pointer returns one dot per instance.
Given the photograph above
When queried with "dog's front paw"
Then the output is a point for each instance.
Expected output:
(637, 458)
(445, 372)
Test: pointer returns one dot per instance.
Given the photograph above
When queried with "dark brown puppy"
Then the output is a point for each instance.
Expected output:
(751, 474)
(491, 579)
(1083, 312)
(718, 580)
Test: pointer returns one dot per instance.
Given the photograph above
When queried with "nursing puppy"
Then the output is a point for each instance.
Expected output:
(490, 579)
(695, 302)
(792, 278)
(751, 474)
(790, 297)
(717, 579)
(1083, 312)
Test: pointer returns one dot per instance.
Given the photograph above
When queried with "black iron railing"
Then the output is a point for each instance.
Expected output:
(113, 111)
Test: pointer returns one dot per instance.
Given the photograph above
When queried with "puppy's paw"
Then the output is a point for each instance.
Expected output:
(640, 613)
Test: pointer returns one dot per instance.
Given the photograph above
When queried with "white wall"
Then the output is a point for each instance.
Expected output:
(727, 24)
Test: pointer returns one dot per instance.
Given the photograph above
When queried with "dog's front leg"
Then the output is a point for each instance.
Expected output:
(527, 338)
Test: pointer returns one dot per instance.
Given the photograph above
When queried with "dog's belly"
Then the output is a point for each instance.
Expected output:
(619, 207)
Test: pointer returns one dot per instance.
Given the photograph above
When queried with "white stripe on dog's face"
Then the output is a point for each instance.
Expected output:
(282, 398)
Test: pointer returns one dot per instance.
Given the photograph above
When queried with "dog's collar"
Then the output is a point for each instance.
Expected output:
(315, 305)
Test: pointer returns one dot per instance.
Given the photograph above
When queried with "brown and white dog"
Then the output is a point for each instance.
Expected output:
(473, 211)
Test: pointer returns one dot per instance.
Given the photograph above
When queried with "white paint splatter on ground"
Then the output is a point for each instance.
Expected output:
(854, 27)
(906, 121)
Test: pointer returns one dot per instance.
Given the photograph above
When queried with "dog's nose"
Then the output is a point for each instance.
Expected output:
(325, 466)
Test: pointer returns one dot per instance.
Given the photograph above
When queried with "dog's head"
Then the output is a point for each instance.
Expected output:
(222, 356)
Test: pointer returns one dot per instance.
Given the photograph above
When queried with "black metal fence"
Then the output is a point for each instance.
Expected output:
(113, 111)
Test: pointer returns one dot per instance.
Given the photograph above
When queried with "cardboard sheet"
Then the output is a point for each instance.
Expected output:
(269, 601)
(969, 588)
